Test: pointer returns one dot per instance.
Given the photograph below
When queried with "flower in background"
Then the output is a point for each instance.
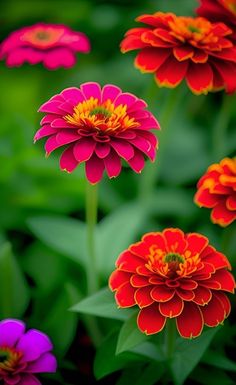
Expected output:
(53, 45)
(100, 127)
(22, 354)
(217, 190)
(170, 274)
(176, 48)
(220, 10)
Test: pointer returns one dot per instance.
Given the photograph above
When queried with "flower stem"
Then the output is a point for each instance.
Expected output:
(91, 220)
(170, 339)
(220, 128)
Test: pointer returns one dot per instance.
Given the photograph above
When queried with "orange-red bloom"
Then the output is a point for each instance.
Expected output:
(217, 191)
(170, 274)
(176, 48)
(220, 10)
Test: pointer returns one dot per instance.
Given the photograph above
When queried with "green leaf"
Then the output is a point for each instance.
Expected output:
(64, 235)
(107, 362)
(116, 232)
(208, 377)
(14, 292)
(150, 350)
(102, 304)
(60, 323)
(149, 375)
(219, 360)
(187, 355)
(130, 335)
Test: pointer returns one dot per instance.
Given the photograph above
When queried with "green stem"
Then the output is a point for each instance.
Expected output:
(170, 339)
(220, 128)
(91, 220)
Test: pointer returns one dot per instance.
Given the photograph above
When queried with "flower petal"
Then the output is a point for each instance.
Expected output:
(161, 293)
(150, 320)
(128, 262)
(110, 92)
(91, 89)
(199, 78)
(125, 295)
(118, 278)
(137, 162)
(45, 364)
(142, 297)
(202, 295)
(171, 73)
(94, 168)
(214, 312)
(84, 149)
(59, 57)
(190, 322)
(10, 332)
(150, 59)
(175, 241)
(68, 161)
(222, 216)
(112, 164)
(33, 344)
(172, 308)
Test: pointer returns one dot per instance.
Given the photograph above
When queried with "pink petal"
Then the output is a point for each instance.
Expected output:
(123, 148)
(45, 131)
(67, 107)
(138, 105)
(112, 164)
(80, 42)
(125, 99)
(102, 150)
(19, 56)
(84, 149)
(110, 92)
(51, 106)
(10, 332)
(137, 163)
(67, 136)
(145, 146)
(47, 119)
(149, 123)
(67, 160)
(46, 363)
(149, 136)
(33, 344)
(28, 379)
(94, 168)
(59, 57)
(126, 134)
(74, 94)
(60, 123)
(91, 89)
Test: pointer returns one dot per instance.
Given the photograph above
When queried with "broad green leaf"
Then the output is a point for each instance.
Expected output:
(116, 232)
(149, 375)
(219, 360)
(150, 350)
(207, 377)
(188, 353)
(130, 335)
(60, 323)
(107, 362)
(102, 304)
(14, 292)
(64, 235)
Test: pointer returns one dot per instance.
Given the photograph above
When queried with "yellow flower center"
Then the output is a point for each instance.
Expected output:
(105, 118)
(43, 37)
(172, 265)
(9, 359)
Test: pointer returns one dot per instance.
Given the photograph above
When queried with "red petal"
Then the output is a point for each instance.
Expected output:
(133, 40)
(150, 59)
(185, 295)
(175, 240)
(218, 260)
(128, 262)
(227, 71)
(142, 297)
(118, 278)
(205, 272)
(202, 295)
(200, 56)
(225, 279)
(139, 280)
(222, 297)
(172, 308)
(156, 239)
(171, 73)
(102, 150)
(231, 202)
(183, 52)
(150, 321)
(125, 295)
(214, 312)
(162, 293)
(187, 284)
(222, 216)
(196, 243)
(190, 322)
(204, 198)
(141, 250)
(199, 78)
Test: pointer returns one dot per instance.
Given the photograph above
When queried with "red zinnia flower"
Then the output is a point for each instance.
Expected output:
(175, 47)
(170, 274)
(100, 127)
(217, 191)
(220, 10)
(53, 45)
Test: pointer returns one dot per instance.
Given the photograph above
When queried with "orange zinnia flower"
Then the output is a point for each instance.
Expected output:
(217, 191)
(175, 47)
(170, 274)
(220, 10)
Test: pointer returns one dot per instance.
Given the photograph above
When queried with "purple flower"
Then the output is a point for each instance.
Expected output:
(23, 353)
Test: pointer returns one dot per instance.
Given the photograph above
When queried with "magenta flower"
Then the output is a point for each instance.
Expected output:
(100, 127)
(53, 45)
(23, 353)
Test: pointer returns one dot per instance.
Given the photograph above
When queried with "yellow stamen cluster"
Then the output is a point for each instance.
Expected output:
(104, 118)
(11, 359)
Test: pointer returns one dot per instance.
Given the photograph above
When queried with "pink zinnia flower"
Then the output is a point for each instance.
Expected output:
(53, 45)
(23, 353)
(100, 127)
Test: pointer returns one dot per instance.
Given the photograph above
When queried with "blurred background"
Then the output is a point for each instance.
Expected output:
(40, 277)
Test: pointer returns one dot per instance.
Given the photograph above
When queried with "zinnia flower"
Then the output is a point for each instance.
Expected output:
(176, 48)
(100, 127)
(53, 45)
(217, 191)
(220, 10)
(22, 354)
(170, 274)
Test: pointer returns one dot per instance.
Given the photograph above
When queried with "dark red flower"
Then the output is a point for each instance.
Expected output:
(176, 48)
(170, 274)
(220, 10)
(217, 191)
